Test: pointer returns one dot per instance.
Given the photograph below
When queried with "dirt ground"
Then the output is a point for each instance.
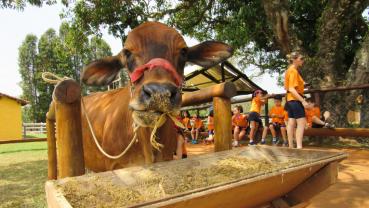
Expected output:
(351, 189)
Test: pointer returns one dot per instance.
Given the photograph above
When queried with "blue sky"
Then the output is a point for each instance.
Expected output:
(15, 25)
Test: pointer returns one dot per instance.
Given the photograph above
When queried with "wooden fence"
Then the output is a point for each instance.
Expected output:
(33, 128)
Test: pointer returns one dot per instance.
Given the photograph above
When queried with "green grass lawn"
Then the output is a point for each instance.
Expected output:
(23, 172)
(35, 136)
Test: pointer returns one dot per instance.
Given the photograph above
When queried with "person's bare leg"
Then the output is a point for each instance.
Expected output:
(326, 115)
(197, 134)
(284, 132)
(193, 134)
(264, 134)
(290, 131)
(272, 131)
(301, 123)
(236, 133)
(252, 130)
(317, 120)
(242, 134)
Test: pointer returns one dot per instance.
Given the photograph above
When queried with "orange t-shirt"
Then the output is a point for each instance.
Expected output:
(186, 122)
(277, 111)
(198, 123)
(210, 123)
(293, 79)
(239, 120)
(256, 105)
(315, 111)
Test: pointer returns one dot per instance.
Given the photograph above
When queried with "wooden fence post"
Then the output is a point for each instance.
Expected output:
(222, 123)
(221, 95)
(67, 98)
(51, 143)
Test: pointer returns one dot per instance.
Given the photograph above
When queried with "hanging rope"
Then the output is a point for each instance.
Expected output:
(153, 138)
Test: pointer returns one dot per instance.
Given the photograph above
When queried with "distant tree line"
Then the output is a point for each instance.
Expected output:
(63, 53)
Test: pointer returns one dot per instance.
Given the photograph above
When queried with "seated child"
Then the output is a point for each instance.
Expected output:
(197, 125)
(239, 121)
(313, 117)
(186, 120)
(278, 120)
(210, 138)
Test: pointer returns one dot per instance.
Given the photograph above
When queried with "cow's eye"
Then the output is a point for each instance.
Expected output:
(184, 52)
(127, 53)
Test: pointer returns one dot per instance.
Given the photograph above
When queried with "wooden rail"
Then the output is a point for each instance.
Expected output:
(343, 132)
(23, 140)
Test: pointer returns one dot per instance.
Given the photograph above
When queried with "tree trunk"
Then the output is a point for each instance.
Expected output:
(277, 14)
(341, 102)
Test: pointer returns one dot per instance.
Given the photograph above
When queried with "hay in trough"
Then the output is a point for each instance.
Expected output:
(152, 184)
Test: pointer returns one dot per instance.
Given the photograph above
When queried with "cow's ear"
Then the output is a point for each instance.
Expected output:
(209, 53)
(102, 72)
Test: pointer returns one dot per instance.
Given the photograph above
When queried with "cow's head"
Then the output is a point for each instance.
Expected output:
(154, 55)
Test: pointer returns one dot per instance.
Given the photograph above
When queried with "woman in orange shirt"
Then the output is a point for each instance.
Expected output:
(296, 104)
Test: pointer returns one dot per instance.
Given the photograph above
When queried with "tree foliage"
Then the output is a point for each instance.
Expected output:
(328, 32)
(62, 53)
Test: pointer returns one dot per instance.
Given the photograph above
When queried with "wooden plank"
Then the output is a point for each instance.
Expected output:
(280, 203)
(222, 123)
(315, 184)
(344, 132)
(226, 90)
(54, 198)
(23, 140)
(333, 89)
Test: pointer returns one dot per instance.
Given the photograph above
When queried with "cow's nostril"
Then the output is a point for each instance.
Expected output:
(159, 94)
(147, 91)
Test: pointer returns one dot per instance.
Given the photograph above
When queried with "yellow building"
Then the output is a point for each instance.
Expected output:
(10, 117)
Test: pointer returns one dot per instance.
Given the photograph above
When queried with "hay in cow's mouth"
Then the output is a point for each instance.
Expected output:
(146, 118)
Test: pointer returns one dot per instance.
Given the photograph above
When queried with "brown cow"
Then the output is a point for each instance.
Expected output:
(154, 55)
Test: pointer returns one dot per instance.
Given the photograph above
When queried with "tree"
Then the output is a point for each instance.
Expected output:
(63, 54)
(27, 69)
(329, 32)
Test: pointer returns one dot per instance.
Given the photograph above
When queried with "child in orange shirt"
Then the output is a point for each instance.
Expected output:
(197, 125)
(254, 116)
(277, 113)
(186, 120)
(239, 121)
(210, 138)
(313, 118)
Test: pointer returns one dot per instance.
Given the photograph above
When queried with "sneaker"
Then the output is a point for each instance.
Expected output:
(329, 126)
(275, 141)
(262, 141)
(235, 143)
(285, 144)
(194, 142)
(252, 143)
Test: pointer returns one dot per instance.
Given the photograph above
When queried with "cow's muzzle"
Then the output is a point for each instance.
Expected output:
(160, 97)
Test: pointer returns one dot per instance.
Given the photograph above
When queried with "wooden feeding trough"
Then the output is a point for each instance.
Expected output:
(293, 177)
